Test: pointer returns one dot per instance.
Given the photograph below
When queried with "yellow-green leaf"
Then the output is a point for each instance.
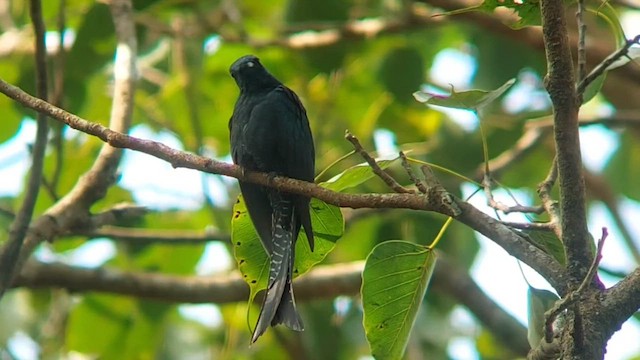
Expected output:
(394, 282)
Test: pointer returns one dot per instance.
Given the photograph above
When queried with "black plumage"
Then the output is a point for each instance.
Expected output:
(270, 133)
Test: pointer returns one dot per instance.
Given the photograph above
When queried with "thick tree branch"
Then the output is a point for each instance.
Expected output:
(515, 245)
(323, 282)
(621, 302)
(10, 251)
(560, 83)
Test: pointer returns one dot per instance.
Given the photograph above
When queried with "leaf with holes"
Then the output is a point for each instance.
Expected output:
(252, 260)
(394, 282)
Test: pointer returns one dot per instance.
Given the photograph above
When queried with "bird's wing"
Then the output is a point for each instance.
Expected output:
(280, 135)
(284, 145)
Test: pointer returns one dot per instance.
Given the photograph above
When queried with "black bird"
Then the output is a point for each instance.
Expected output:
(270, 133)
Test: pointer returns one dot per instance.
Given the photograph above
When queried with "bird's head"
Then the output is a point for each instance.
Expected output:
(249, 74)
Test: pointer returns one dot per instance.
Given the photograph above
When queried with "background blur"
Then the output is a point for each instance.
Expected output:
(355, 64)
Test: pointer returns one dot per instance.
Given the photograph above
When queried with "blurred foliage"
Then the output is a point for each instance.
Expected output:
(363, 85)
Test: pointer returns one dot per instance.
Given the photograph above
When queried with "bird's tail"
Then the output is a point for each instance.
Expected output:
(279, 305)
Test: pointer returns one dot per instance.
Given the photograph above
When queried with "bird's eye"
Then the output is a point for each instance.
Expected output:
(251, 64)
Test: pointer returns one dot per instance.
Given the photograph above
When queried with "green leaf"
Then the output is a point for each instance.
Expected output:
(127, 328)
(606, 12)
(549, 242)
(468, 100)
(539, 301)
(527, 11)
(622, 170)
(593, 88)
(394, 281)
(252, 259)
(354, 176)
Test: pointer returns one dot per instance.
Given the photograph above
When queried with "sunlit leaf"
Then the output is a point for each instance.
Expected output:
(539, 301)
(468, 100)
(527, 11)
(394, 281)
(252, 259)
(354, 176)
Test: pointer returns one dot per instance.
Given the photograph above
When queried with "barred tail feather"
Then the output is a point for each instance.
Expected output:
(279, 306)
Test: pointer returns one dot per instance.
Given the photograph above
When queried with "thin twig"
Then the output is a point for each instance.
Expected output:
(582, 47)
(390, 181)
(548, 203)
(407, 167)
(10, 252)
(57, 99)
(527, 142)
(497, 205)
(602, 67)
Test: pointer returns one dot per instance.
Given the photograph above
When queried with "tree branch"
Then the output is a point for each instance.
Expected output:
(516, 246)
(323, 282)
(560, 83)
(621, 302)
(10, 251)
(604, 65)
(479, 221)
(92, 186)
(388, 179)
(158, 236)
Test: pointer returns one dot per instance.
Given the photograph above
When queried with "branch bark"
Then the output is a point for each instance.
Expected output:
(323, 282)
(479, 221)
(560, 83)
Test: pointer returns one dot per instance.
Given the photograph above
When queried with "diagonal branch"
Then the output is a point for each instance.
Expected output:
(388, 179)
(471, 216)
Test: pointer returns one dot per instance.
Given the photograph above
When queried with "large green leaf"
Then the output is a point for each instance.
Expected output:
(468, 100)
(252, 260)
(354, 176)
(394, 281)
(539, 302)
